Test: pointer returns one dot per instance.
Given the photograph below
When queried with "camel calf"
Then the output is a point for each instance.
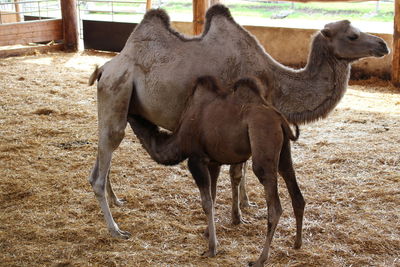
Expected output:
(227, 127)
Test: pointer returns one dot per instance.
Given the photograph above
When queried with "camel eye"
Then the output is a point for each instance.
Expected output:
(353, 37)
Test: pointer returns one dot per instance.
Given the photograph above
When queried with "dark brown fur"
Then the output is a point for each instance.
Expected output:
(222, 126)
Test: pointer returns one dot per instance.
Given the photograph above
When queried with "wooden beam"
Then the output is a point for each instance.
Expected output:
(199, 11)
(31, 32)
(18, 10)
(396, 45)
(148, 4)
(30, 50)
(70, 25)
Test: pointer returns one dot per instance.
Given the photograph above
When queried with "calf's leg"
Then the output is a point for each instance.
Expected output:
(286, 170)
(266, 147)
(199, 170)
(268, 178)
(214, 170)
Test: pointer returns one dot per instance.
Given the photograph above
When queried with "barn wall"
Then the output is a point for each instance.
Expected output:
(290, 47)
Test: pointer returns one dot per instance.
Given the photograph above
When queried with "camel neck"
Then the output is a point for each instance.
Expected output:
(311, 93)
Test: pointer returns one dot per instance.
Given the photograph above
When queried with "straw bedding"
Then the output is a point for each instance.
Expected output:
(348, 167)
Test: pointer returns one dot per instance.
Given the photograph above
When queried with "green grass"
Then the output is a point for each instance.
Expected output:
(354, 11)
(310, 11)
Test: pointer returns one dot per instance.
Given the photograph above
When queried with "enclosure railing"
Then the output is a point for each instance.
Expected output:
(17, 11)
(110, 10)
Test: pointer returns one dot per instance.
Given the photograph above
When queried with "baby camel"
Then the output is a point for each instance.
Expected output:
(224, 127)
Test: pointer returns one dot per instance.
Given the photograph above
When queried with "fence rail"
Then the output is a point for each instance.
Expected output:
(18, 11)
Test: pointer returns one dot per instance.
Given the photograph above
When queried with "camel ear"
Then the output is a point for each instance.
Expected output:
(327, 33)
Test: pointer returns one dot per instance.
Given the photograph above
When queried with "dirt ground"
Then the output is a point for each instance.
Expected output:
(348, 167)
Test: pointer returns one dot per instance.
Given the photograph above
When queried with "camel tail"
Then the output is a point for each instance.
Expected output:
(95, 75)
(286, 127)
(159, 145)
(288, 131)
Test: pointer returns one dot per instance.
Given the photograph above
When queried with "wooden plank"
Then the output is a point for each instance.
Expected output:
(70, 24)
(396, 45)
(32, 37)
(199, 11)
(30, 32)
(30, 50)
(30, 26)
(8, 17)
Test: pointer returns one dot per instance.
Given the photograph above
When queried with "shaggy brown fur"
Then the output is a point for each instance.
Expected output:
(221, 127)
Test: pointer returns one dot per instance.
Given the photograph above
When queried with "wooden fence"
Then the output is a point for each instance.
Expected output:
(62, 31)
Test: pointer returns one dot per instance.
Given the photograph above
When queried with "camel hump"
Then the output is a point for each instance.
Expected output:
(211, 84)
(242, 86)
(218, 9)
(157, 13)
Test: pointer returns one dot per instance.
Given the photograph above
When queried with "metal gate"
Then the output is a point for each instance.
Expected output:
(14, 11)
(107, 24)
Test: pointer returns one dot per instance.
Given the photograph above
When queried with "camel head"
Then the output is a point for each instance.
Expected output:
(348, 42)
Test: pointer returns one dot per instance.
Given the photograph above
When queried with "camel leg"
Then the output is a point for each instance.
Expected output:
(286, 170)
(235, 173)
(268, 177)
(201, 175)
(112, 119)
(266, 147)
(214, 170)
(109, 140)
(112, 197)
(240, 170)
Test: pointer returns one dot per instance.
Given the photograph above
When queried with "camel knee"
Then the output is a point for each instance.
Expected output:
(235, 174)
(114, 137)
(262, 171)
(99, 188)
(299, 204)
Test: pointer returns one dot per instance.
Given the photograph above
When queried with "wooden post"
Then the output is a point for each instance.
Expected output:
(18, 11)
(70, 25)
(213, 2)
(396, 45)
(148, 4)
(199, 11)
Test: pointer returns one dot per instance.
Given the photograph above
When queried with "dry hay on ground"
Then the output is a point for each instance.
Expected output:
(347, 166)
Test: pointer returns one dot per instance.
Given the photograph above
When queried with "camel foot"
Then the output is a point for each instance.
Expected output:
(239, 220)
(119, 202)
(297, 244)
(209, 254)
(255, 264)
(247, 204)
(120, 234)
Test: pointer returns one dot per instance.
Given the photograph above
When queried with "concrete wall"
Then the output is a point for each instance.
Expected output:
(290, 46)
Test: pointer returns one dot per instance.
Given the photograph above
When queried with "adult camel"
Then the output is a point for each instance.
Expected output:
(153, 73)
